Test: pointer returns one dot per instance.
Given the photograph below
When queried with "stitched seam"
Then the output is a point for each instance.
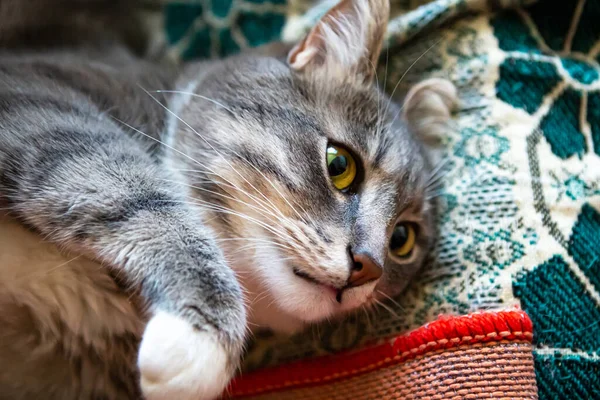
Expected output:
(402, 357)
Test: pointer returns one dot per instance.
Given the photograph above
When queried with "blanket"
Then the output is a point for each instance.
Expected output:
(520, 208)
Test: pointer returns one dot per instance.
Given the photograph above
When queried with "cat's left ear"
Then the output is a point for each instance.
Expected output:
(347, 40)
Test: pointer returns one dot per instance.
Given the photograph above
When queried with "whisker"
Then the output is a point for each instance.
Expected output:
(224, 210)
(265, 243)
(261, 296)
(262, 211)
(48, 271)
(195, 161)
(195, 95)
(272, 185)
(404, 74)
(366, 312)
(391, 299)
(211, 146)
(387, 308)
(377, 83)
(439, 167)
(244, 239)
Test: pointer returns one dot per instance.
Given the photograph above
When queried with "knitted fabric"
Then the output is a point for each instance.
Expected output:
(520, 221)
(483, 355)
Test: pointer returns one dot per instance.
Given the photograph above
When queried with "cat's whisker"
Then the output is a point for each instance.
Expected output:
(282, 235)
(387, 308)
(255, 168)
(266, 213)
(283, 219)
(402, 77)
(187, 156)
(387, 59)
(224, 210)
(435, 190)
(271, 302)
(261, 296)
(276, 189)
(435, 183)
(377, 83)
(363, 308)
(435, 195)
(211, 146)
(266, 245)
(272, 185)
(438, 168)
(195, 95)
(192, 159)
(216, 208)
(390, 299)
(46, 272)
(244, 239)
(435, 180)
(258, 202)
(253, 247)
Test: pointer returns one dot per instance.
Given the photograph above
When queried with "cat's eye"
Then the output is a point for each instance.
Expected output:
(341, 167)
(403, 239)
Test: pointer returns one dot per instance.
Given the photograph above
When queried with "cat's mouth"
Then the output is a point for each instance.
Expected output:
(335, 291)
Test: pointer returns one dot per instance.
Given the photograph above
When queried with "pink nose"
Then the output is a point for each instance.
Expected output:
(364, 270)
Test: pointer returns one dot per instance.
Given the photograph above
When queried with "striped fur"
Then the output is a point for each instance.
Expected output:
(200, 201)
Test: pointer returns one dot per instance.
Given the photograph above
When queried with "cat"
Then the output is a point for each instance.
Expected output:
(271, 189)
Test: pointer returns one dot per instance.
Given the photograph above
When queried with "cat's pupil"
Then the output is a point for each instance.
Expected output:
(399, 237)
(338, 166)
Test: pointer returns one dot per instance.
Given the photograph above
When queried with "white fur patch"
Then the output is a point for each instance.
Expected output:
(178, 362)
(180, 100)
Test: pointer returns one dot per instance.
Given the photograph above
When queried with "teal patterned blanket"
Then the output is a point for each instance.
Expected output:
(520, 222)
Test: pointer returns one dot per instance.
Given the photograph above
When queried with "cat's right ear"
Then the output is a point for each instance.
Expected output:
(346, 41)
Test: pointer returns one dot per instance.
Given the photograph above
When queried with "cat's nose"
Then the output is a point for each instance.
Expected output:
(364, 270)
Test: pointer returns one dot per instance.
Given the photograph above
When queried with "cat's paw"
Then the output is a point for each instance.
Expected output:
(179, 362)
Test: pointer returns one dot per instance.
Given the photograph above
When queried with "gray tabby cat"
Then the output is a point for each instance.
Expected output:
(270, 189)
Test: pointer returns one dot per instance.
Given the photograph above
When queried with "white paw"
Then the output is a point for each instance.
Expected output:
(178, 362)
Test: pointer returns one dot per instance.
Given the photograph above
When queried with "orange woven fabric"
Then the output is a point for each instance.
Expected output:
(478, 356)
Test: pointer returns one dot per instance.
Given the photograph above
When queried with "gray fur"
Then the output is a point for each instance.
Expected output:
(81, 163)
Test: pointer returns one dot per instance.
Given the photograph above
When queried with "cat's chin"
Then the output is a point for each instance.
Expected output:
(285, 303)
(288, 304)
(280, 300)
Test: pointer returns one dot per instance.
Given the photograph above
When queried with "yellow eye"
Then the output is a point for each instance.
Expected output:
(403, 240)
(341, 167)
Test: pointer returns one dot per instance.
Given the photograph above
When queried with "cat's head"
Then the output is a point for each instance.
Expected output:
(309, 175)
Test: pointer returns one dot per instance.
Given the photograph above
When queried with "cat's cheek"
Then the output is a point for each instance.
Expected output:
(179, 362)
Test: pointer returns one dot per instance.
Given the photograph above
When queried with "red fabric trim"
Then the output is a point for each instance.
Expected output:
(445, 332)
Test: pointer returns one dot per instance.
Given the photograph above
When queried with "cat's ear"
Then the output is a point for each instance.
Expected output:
(347, 40)
(427, 109)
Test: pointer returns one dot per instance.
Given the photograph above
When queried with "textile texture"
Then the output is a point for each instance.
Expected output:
(483, 356)
(520, 208)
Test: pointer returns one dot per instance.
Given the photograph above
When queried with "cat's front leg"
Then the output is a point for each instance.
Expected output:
(192, 345)
(85, 184)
